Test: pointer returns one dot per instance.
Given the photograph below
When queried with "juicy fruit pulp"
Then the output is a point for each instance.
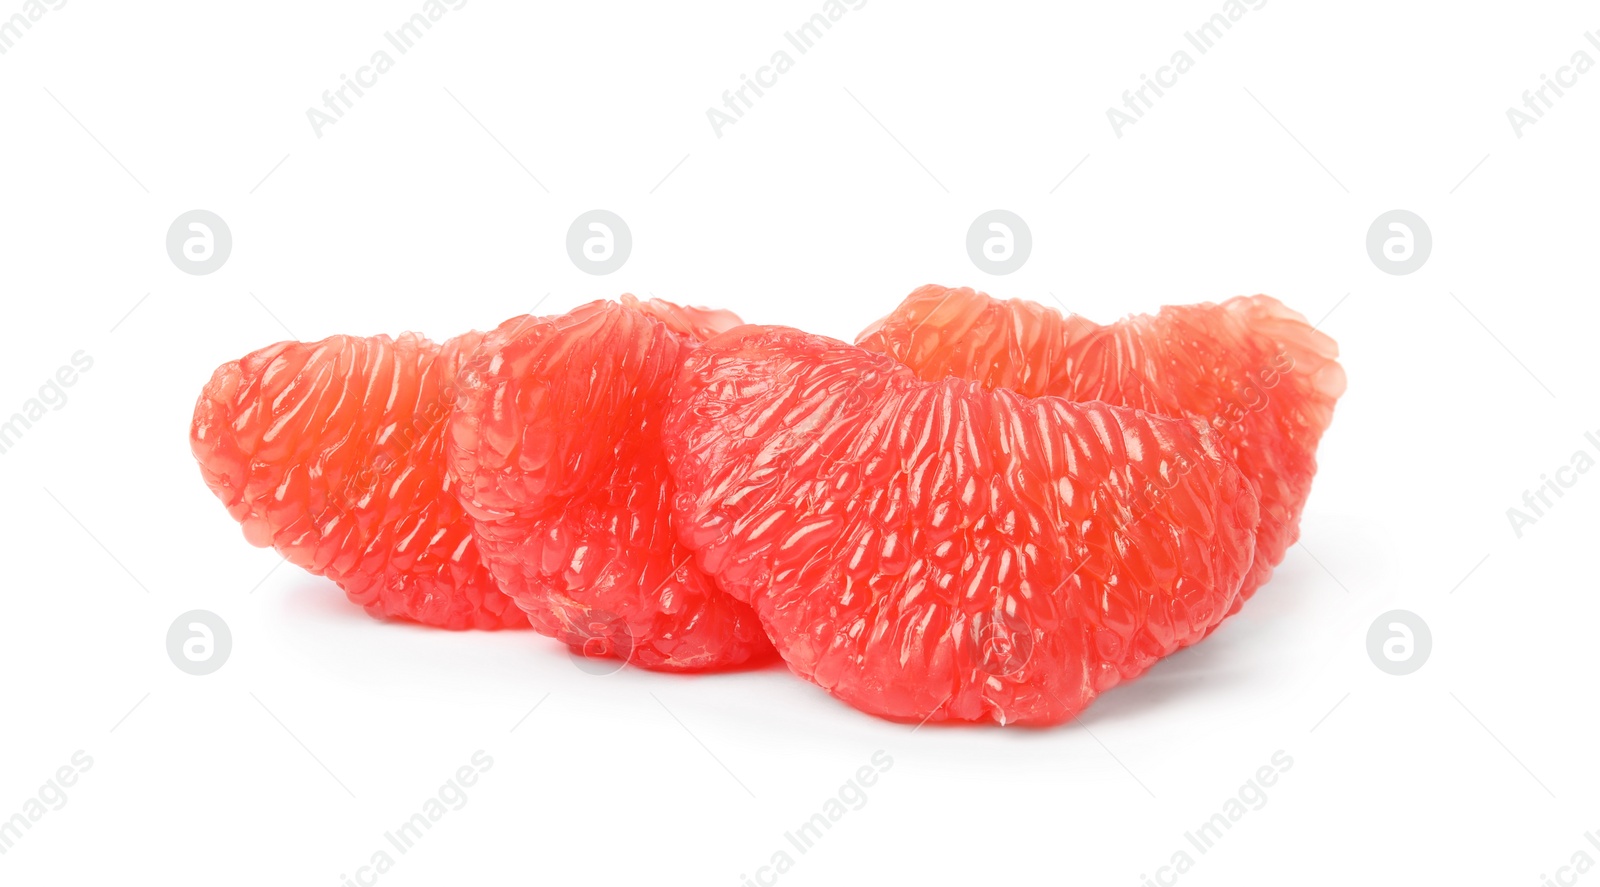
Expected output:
(935, 550)
(556, 444)
(332, 452)
(1253, 369)
(988, 511)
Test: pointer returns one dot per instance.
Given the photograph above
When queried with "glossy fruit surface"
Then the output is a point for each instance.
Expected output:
(331, 452)
(1253, 369)
(556, 445)
(935, 550)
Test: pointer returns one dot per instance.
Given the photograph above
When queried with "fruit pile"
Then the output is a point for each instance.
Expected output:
(982, 510)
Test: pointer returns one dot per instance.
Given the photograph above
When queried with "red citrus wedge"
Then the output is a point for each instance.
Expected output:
(1253, 369)
(556, 445)
(331, 452)
(932, 550)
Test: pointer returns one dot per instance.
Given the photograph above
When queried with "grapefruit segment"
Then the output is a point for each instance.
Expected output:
(331, 452)
(1255, 370)
(556, 445)
(932, 550)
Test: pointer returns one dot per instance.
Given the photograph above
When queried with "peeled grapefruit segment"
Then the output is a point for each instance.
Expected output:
(932, 550)
(332, 453)
(556, 445)
(1256, 371)
(692, 321)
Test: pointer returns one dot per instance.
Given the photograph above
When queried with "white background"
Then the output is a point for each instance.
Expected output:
(440, 202)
